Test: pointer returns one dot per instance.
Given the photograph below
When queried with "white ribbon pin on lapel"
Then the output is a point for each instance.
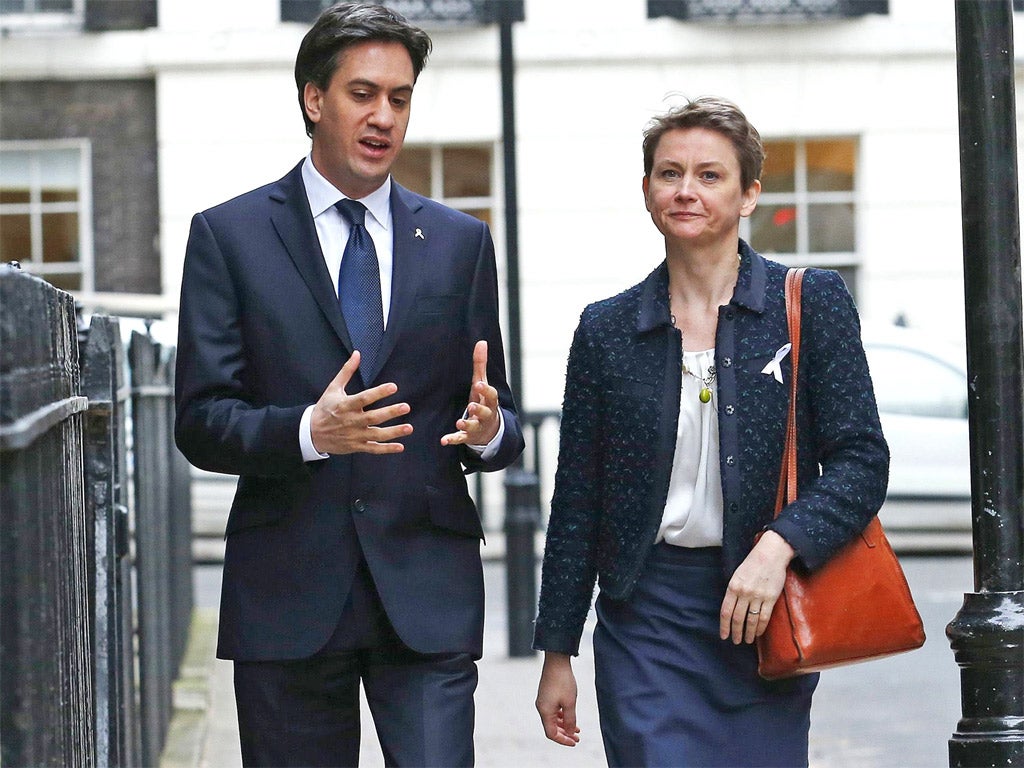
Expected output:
(774, 368)
(419, 233)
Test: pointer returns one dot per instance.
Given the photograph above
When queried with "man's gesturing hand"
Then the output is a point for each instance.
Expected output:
(341, 423)
(481, 422)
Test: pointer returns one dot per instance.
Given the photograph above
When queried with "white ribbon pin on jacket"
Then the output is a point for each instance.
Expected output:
(774, 368)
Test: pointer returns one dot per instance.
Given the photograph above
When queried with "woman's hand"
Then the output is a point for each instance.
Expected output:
(556, 699)
(754, 588)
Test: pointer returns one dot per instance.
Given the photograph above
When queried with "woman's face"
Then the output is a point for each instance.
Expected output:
(694, 193)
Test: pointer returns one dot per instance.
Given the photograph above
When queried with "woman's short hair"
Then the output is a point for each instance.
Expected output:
(344, 25)
(715, 114)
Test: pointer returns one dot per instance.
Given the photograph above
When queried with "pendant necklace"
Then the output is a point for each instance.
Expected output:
(704, 395)
(705, 381)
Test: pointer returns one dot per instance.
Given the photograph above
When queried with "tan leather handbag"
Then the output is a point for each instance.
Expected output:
(854, 608)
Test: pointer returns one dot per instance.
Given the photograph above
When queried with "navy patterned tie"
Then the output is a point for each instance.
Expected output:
(359, 287)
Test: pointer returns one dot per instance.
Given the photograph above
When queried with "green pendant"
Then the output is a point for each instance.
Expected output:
(705, 395)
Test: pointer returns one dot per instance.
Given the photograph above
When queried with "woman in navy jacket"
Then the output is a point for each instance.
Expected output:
(671, 442)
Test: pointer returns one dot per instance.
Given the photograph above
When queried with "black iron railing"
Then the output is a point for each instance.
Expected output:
(73, 540)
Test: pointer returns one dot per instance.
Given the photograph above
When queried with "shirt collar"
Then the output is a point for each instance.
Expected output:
(749, 292)
(323, 195)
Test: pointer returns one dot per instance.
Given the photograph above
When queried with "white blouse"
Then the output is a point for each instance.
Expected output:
(693, 510)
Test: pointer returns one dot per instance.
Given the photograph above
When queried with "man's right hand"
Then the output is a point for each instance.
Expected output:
(340, 422)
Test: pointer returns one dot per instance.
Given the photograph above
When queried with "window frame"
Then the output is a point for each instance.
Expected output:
(465, 204)
(36, 209)
(752, 12)
(802, 199)
(33, 20)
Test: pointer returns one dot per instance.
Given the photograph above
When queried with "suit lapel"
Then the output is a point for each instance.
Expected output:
(294, 224)
(408, 249)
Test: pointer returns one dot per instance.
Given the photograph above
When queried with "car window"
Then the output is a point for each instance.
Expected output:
(915, 384)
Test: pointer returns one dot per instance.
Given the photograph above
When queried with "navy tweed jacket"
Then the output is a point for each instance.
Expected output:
(619, 421)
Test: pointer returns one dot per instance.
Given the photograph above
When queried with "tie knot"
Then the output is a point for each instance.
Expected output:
(353, 211)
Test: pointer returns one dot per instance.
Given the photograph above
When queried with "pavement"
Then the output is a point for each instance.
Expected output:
(893, 713)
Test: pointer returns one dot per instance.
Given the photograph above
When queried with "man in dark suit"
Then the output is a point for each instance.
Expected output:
(353, 547)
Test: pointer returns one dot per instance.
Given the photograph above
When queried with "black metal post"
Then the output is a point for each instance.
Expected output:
(508, 132)
(522, 514)
(46, 681)
(987, 635)
(150, 389)
(522, 496)
(179, 506)
(106, 499)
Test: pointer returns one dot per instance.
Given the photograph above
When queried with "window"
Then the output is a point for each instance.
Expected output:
(438, 12)
(45, 210)
(460, 176)
(764, 11)
(41, 14)
(807, 210)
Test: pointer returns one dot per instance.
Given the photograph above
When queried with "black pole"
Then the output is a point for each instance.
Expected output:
(987, 635)
(508, 133)
(522, 489)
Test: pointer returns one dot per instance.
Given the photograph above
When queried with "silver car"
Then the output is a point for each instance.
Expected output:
(921, 388)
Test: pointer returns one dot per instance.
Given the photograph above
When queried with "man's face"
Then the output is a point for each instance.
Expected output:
(362, 116)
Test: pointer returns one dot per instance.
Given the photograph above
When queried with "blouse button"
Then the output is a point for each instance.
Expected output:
(733, 506)
(730, 410)
(727, 362)
(729, 314)
(730, 460)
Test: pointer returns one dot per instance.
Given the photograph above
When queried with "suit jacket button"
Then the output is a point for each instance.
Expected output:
(359, 505)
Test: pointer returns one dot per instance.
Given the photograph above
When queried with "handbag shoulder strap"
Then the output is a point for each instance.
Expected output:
(787, 474)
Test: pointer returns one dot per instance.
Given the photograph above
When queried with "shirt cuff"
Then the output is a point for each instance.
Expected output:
(486, 452)
(309, 452)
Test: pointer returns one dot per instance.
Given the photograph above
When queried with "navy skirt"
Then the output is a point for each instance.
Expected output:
(671, 693)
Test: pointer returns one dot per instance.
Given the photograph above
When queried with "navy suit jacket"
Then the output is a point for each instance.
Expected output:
(261, 335)
(619, 426)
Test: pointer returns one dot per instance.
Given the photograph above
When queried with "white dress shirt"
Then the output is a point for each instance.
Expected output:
(693, 509)
(332, 230)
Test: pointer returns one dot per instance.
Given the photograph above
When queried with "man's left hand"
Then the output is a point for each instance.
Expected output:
(480, 424)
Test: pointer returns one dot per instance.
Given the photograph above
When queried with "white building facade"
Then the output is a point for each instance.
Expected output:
(860, 116)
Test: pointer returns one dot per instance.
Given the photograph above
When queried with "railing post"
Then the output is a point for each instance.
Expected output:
(180, 530)
(149, 385)
(110, 564)
(46, 699)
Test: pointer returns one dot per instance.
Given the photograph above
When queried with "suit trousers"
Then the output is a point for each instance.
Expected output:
(306, 712)
(670, 692)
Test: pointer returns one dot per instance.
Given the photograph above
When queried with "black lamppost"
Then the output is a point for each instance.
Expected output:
(522, 487)
(987, 635)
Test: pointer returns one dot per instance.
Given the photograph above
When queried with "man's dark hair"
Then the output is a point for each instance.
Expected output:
(344, 25)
